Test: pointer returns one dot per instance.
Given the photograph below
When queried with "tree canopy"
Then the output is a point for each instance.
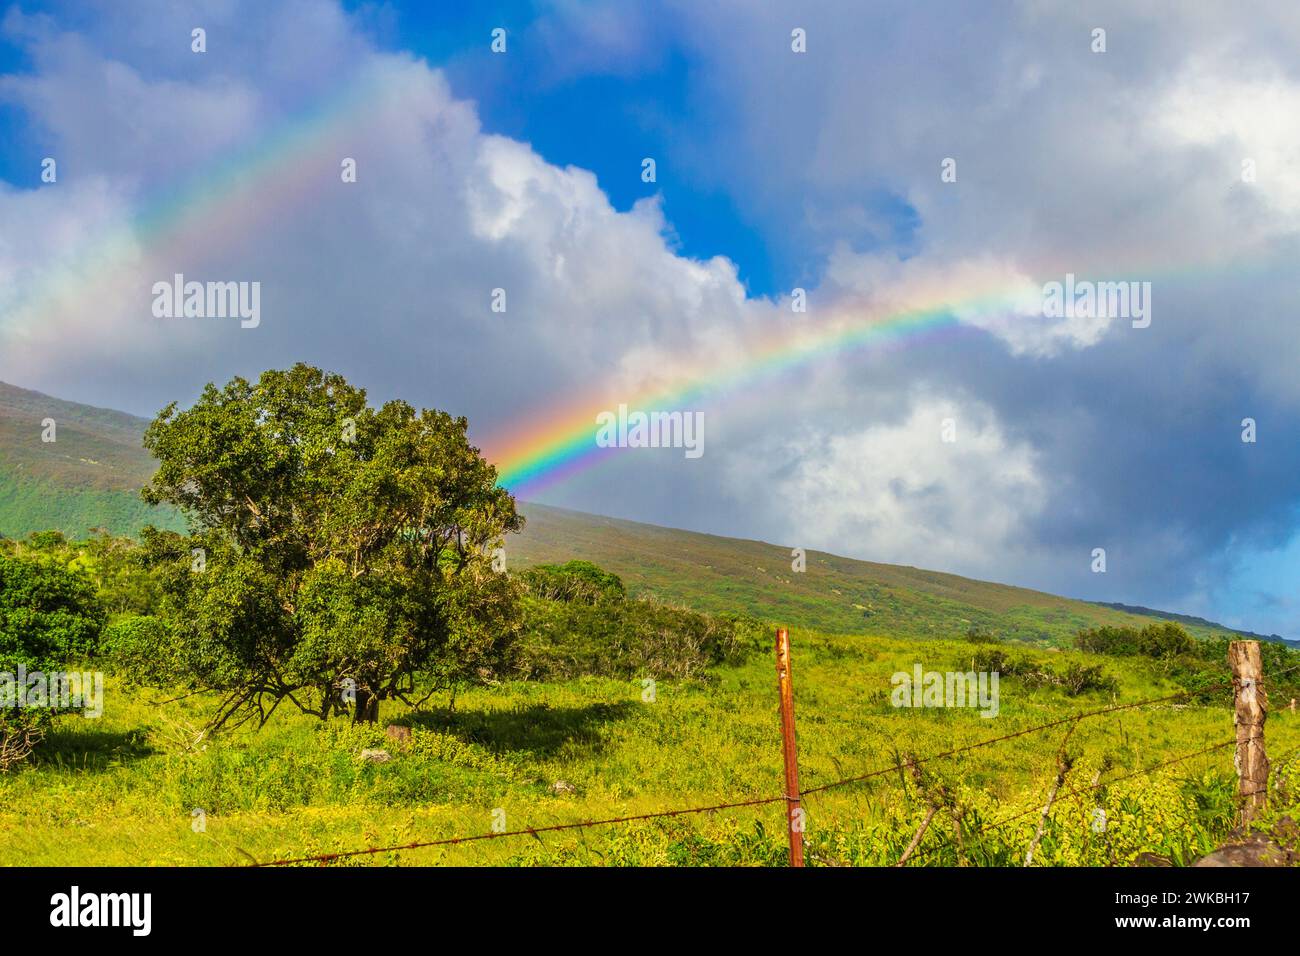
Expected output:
(335, 551)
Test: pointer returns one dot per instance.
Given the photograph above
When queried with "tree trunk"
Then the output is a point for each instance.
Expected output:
(367, 707)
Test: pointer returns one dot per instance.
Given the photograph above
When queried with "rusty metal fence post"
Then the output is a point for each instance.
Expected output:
(794, 817)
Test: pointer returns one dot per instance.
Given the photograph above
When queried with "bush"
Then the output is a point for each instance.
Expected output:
(140, 648)
(990, 659)
(575, 581)
(576, 621)
(1161, 641)
(1079, 678)
(49, 616)
(1164, 640)
(1115, 641)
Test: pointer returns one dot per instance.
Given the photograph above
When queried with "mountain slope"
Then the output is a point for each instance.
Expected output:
(833, 593)
(92, 474)
(89, 476)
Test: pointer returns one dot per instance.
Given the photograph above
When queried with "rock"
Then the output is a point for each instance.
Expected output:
(376, 755)
(563, 786)
(398, 733)
(1281, 847)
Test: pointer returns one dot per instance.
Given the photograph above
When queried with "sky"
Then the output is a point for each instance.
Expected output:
(1168, 155)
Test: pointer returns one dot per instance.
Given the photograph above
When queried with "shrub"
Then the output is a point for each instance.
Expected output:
(614, 637)
(1115, 641)
(1161, 640)
(575, 581)
(48, 616)
(981, 635)
(1079, 678)
(140, 648)
(1164, 640)
(991, 659)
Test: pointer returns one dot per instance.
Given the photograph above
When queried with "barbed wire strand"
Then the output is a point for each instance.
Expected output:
(529, 831)
(324, 858)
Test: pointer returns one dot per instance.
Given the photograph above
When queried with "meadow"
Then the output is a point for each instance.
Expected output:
(123, 789)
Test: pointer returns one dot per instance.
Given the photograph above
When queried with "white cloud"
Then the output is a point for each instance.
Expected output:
(986, 291)
(896, 492)
(441, 215)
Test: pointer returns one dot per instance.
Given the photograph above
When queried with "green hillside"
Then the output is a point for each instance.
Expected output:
(89, 476)
(833, 594)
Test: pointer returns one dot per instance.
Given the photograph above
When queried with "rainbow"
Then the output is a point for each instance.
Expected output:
(212, 209)
(561, 442)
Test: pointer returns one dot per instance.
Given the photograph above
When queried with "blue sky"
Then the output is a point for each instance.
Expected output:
(606, 122)
(774, 170)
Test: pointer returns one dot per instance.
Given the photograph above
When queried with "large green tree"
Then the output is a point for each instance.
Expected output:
(336, 552)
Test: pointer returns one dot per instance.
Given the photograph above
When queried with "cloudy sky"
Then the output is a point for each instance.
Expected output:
(1171, 157)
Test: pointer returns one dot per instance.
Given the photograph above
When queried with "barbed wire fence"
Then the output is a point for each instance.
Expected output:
(793, 800)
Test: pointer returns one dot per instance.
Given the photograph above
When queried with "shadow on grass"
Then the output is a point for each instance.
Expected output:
(90, 749)
(537, 729)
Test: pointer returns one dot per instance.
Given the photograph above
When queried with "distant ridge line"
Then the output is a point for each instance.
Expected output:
(1193, 619)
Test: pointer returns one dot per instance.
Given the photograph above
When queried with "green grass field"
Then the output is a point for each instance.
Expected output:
(120, 790)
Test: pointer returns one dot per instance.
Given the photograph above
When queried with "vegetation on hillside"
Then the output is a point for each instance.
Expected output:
(832, 595)
(84, 471)
(27, 505)
(578, 620)
(567, 732)
(91, 478)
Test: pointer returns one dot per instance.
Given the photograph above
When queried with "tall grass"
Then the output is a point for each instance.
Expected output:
(121, 789)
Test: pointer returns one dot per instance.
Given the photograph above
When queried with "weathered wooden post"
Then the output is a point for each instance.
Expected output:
(794, 819)
(1251, 709)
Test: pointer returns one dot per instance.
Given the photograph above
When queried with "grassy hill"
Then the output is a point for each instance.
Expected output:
(91, 476)
(833, 594)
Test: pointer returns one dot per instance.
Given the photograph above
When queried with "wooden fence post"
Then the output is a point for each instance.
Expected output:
(1250, 712)
(794, 819)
